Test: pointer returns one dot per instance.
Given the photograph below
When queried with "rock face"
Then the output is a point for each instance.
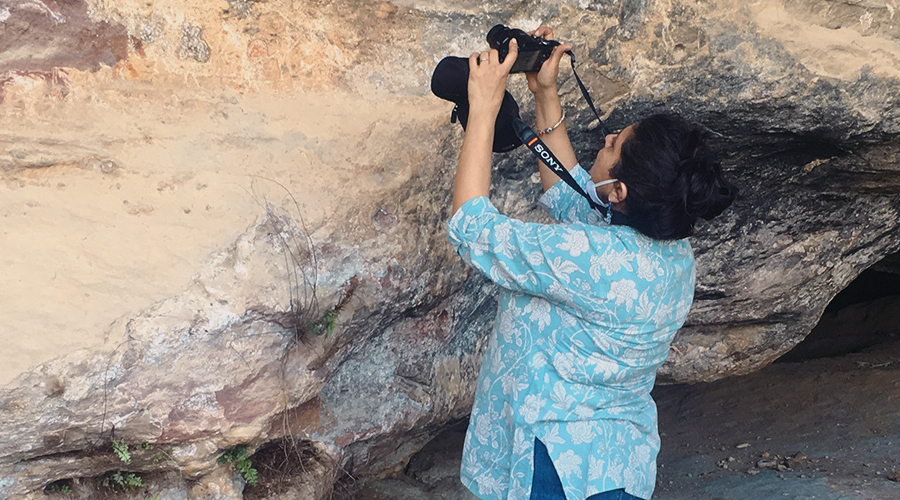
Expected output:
(224, 221)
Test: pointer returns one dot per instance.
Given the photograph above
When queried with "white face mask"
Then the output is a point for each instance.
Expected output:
(592, 191)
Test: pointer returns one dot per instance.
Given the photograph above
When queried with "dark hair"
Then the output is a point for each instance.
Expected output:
(672, 178)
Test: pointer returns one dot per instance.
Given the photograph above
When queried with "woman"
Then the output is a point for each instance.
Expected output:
(587, 310)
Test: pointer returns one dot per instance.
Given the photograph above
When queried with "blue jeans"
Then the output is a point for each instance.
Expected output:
(546, 485)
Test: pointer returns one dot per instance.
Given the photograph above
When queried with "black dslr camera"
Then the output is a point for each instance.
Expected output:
(533, 51)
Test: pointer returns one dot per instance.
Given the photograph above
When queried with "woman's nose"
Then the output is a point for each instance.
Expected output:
(609, 139)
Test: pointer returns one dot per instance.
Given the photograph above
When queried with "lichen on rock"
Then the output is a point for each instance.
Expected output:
(192, 44)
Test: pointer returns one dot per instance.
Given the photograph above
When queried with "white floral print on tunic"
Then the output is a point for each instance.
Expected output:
(586, 315)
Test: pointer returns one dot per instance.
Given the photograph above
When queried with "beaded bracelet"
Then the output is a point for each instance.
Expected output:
(551, 129)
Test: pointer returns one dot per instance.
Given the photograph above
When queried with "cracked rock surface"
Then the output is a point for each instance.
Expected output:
(191, 189)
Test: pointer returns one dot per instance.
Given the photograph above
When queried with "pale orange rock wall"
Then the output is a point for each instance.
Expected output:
(118, 181)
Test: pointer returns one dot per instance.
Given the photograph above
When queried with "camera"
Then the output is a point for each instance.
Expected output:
(533, 51)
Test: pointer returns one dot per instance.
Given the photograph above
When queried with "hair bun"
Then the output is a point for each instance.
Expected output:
(672, 176)
(708, 192)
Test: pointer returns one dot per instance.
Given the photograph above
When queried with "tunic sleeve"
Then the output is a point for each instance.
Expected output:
(547, 260)
(565, 205)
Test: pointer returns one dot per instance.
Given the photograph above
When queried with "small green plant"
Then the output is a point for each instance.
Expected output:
(240, 460)
(64, 489)
(61, 486)
(120, 448)
(122, 480)
(326, 323)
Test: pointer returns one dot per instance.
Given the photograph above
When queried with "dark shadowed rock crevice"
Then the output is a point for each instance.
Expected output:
(863, 316)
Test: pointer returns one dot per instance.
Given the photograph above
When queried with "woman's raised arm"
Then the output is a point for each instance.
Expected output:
(487, 84)
(548, 110)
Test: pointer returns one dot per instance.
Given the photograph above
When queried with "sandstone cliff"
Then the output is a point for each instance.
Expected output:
(192, 192)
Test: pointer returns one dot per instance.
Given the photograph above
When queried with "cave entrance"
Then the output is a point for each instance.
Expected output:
(863, 315)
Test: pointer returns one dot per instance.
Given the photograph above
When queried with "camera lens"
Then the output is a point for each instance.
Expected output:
(498, 36)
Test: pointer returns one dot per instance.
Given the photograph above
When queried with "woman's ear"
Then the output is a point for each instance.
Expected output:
(619, 192)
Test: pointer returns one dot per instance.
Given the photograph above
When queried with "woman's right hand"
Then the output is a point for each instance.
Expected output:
(545, 79)
(487, 80)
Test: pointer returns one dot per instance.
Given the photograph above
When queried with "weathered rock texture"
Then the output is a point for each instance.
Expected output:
(189, 187)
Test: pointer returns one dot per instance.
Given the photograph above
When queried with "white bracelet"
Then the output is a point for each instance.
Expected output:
(551, 129)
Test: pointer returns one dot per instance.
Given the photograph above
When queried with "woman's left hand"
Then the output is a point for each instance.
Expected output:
(487, 80)
(545, 79)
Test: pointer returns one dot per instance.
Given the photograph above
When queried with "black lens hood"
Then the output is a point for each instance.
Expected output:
(450, 81)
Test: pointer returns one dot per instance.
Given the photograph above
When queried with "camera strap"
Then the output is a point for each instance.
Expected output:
(587, 97)
(544, 155)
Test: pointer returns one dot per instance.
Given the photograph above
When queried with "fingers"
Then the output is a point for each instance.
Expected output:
(543, 32)
(510, 57)
(485, 57)
(559, 51)
(550, 68)
(479, 59)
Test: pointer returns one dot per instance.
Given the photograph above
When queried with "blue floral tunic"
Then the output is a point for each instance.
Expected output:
(586, 315)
